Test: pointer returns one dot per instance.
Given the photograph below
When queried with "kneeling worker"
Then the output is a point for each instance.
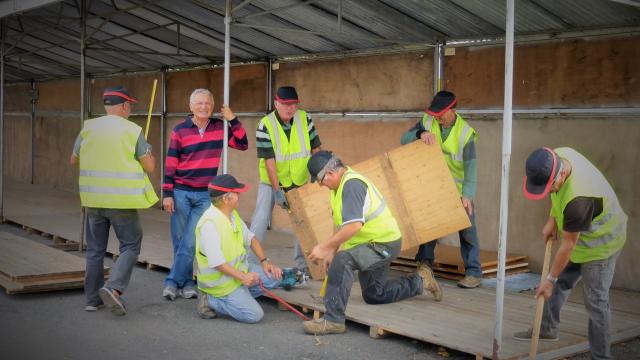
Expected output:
(222, 244)
(369, 239)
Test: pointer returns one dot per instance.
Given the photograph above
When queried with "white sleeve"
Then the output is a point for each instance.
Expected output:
(210, 245)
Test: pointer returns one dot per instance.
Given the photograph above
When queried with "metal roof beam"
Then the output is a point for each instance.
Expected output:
(271, 11)
(109, 16)
(241, 5)
(628, 2)
(9, 7)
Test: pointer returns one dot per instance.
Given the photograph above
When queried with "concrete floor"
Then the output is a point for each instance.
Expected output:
(55, 326)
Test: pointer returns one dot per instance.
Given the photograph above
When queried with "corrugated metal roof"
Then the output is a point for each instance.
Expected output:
(133, 35)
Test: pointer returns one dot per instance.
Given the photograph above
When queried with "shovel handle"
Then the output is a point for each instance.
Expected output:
(540, 303)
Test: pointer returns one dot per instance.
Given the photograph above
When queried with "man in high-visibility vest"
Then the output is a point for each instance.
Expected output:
(113, 157)
(225, 273)
(367, 239)
(443, 126)
(586, 211)
(285, 139)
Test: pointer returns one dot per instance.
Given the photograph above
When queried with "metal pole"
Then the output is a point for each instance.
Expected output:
(504, 184)
(3, 29)
(269, 85)
(163, 128)
(31, 129)
(83, 34)
(227, 61)
(438, 62)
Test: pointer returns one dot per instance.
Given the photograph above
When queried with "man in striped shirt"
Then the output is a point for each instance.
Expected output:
(192, 161)
(285, 139)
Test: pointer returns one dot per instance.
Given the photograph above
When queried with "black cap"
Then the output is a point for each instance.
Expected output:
(443, 101)
(226, 183)
(317, 162)
(541, 169)
(116, 95)
(287, 95)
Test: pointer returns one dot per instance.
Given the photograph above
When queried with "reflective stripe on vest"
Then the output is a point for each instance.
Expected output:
(211, 280)
(304, 151)
(110, 176)
(379, 224)
(607, 232)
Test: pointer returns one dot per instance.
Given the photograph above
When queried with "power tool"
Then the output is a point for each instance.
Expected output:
(291, 277)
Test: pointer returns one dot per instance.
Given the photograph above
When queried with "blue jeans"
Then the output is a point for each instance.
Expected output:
(469, 249)
(189, 207)
(126, 224)
(241, 303)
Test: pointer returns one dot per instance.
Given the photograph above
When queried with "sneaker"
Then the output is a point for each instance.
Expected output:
(429, 282)
(93, 308)
(528, 334)
(189, 292)
(204, 311)
(469, 282)
(323, 327)
(170, 293)
(112, 300)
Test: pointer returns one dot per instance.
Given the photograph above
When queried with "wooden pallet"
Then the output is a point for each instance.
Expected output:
(28, 266)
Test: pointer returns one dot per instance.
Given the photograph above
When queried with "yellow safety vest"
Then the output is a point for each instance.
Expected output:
(379, 224)
(453, 147)
(211, 280)
(291, 154)
(110, 175)
(608, 231)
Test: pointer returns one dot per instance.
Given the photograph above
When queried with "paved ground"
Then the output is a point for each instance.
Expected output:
(55, 326)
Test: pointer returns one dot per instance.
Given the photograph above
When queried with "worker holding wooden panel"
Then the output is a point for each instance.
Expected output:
(585, 209)
(114, 158)
(285, 139)
(441, 125)
(367, 239)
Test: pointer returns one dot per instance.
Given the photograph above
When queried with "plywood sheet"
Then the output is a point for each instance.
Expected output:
(59, 95)
(139, 86)
(53, 144)
(17, 97)
(388, 82)
(17, 154)
(417, 186)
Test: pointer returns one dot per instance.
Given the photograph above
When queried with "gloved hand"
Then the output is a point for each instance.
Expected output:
(281, 200)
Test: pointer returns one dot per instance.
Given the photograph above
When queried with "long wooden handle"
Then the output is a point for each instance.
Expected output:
(540, 304)
(153, 96)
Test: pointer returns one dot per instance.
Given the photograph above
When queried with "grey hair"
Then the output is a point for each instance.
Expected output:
(197, 92)
(217, 200)
(333, 164)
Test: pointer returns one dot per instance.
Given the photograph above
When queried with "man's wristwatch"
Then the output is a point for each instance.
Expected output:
(264, 259)
(552, 279)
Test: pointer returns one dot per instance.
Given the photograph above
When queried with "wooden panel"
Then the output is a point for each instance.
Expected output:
(139, 86)
(54, 139)
(17, 142)
(567, 73)
(17, 97)
(416, 184)
(153, 138)
(59, 95)
(247, 88)
(388, 82)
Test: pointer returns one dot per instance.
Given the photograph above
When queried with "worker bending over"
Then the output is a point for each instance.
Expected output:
(368, 238)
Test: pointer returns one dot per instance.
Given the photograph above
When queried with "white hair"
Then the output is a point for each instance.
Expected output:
(197, 92)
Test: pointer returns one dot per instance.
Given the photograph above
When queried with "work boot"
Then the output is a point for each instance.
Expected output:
(204, 311)
(429, 282)
(469, 282)
(189, 292)
(528, 334)
(170, 293)
(111, 298)
(323, 327)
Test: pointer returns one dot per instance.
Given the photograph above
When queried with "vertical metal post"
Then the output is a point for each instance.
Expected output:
(3, 36)
(88, 97)
(83, 35)
(504, 183)
(163, 128)
(31, 129)
(227, 61)
(438, 63)
(269, 86)
(339, 16)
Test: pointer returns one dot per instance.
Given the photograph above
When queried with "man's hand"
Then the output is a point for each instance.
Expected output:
(428, 138)
(226, 112)
(545, 289)
(167, 205)
(272, 270)
(468, 205)
(281, 200)
(550, 230)
(327, 261)
(321, 252)
(250, 279)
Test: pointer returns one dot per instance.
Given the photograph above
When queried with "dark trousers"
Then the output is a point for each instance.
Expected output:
(376, 286)
(126, 224)
(469, 249)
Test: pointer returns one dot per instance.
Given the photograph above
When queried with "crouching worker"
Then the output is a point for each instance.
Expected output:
(222, 244)
(369, 239)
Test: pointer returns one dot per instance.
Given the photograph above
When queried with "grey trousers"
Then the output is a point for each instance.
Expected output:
(376, 286)
(126, 224)
(596, 277)
(262, 217)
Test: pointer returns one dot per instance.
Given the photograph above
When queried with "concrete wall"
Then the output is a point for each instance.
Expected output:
(561, 74)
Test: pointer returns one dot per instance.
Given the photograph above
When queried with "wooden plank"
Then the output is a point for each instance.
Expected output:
(406, 177)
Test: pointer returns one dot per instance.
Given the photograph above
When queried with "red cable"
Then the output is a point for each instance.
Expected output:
(279, 299)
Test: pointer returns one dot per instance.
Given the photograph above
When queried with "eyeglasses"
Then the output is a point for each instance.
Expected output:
(321, 179)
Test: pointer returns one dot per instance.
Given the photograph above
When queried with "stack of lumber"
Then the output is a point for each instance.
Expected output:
(28, 266)
(448, 263)
(416, 185)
